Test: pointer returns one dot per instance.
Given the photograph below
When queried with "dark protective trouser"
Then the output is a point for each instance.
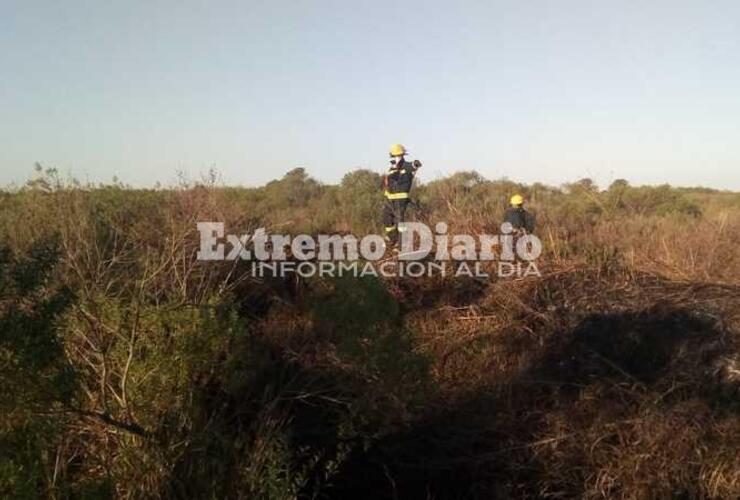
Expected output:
(393, 215)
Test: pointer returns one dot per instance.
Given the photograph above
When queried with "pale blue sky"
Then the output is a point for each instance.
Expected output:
(547, 91)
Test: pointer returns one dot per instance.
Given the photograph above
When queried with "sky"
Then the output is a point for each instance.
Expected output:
(535, 91)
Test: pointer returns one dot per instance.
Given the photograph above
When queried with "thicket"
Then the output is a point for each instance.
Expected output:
(130, 369)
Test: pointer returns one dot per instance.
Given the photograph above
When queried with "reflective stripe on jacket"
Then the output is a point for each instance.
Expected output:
(397, 196)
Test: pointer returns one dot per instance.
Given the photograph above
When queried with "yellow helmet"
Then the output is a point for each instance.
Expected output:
(516, 200)
(398, 150)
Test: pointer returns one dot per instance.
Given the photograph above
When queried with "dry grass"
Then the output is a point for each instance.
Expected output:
(615, 374)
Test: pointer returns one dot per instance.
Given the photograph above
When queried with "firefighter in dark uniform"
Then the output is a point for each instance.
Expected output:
(397, 186)
(520, 219)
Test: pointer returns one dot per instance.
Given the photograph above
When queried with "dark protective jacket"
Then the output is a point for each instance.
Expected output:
(519, 218)
(399, 179)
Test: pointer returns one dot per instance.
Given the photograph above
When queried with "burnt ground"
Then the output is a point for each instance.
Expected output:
(635, 390)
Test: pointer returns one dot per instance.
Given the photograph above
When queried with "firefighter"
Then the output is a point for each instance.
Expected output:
(397, 186)
(520, 219)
